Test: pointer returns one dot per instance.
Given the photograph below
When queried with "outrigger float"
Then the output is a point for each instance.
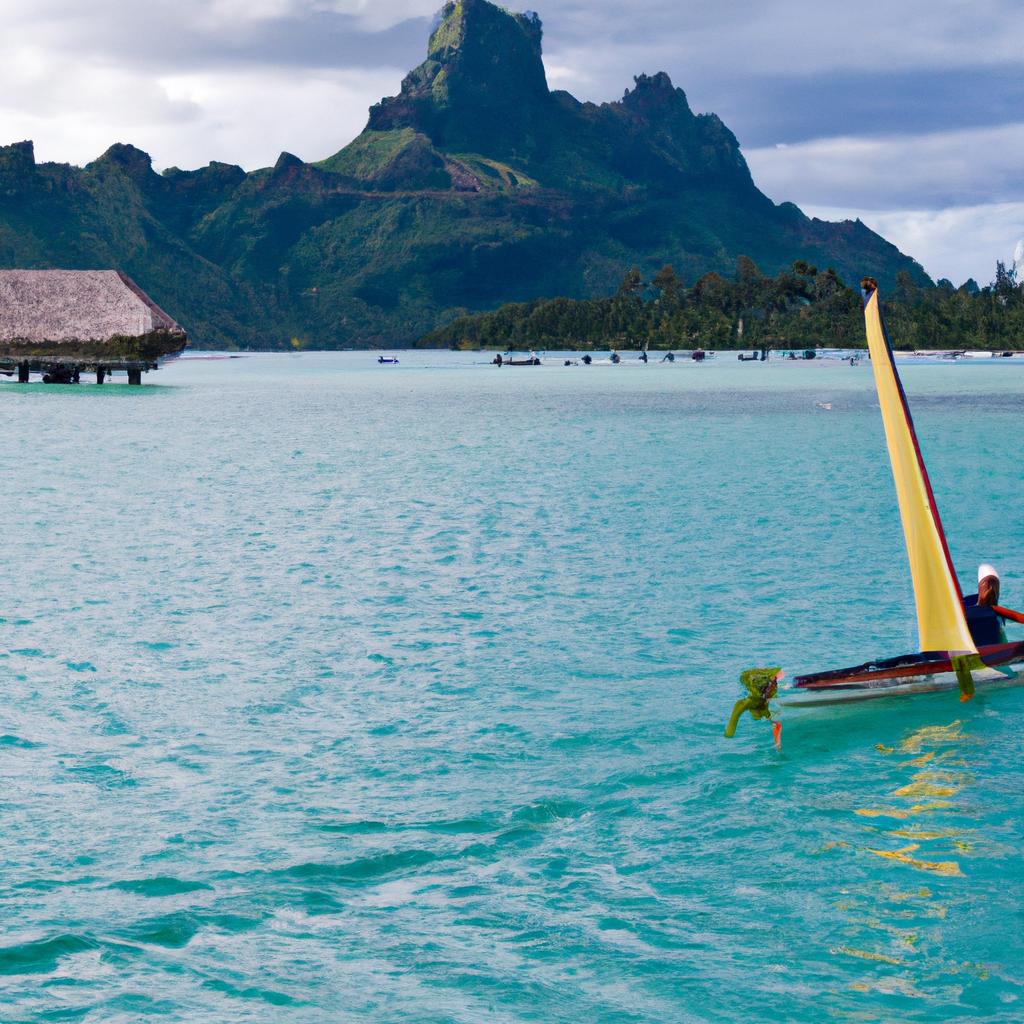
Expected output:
(948, 658)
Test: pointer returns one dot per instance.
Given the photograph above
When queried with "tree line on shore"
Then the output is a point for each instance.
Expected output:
(802, 307)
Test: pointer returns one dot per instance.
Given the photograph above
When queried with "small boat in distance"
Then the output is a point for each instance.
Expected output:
(388, 360)
(509, 360)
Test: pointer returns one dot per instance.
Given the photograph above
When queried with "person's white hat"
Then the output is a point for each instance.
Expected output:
(985, 570)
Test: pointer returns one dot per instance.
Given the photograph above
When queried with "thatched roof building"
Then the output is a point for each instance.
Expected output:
(88, 315)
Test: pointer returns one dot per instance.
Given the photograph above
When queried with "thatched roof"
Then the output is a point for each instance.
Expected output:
(69, 306)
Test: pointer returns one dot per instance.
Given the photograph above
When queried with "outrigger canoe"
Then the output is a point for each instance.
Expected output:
(947, 658)
(909, 674)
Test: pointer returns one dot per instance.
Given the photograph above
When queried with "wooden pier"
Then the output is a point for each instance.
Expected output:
(69, 371)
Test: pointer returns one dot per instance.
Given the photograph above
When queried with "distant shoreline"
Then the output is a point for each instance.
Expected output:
(822, 353)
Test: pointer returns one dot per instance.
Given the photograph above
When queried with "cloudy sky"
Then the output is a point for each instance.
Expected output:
(906, 113)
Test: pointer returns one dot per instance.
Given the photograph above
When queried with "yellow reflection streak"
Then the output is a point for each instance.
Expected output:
(902, 812)
(864, 954)
(889, 987)
(932, 734)
(947, 868)
(923, 788)
(923, 834)
(919, 762)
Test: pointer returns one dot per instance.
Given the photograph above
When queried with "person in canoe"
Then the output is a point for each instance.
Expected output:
(984, 622)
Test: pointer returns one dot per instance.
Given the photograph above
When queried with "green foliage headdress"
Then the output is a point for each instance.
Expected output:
(761, 685)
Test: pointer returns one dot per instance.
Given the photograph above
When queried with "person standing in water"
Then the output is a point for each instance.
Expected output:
(985, 624)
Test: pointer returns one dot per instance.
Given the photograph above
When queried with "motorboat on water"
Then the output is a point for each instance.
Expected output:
(388, 360)
(948, 658)
(509, 359)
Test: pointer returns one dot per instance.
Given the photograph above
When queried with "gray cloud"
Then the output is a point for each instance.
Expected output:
(780, 36)
(769, 109)
(159, 37)
(931, 171)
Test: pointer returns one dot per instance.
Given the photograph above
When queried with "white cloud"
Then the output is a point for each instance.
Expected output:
(956, 242)
(561, 77)
(249, 117)
(219, 14)
(77, 78)
(33, 93)
(909, 171)
(375, 15)
(244, 116)
(67, 114)
(65, 19)
(371, 15)
(783, 35)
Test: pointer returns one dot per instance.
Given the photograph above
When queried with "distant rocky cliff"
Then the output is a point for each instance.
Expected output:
(476, 185)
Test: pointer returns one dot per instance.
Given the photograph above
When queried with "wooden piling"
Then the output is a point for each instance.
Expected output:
(69, 371)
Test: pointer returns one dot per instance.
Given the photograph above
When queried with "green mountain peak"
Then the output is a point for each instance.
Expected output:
(17, 167)
(128, 159)
(483, 82)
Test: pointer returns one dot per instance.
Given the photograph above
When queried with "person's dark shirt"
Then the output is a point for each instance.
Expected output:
(983, 623)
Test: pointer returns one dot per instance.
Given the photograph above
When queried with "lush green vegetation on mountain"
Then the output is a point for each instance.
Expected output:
(799, 308)
(477, 185)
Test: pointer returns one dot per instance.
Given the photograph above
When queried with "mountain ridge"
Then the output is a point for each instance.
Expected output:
(474, 186)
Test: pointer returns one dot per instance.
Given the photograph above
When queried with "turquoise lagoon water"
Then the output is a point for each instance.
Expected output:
(343, 692)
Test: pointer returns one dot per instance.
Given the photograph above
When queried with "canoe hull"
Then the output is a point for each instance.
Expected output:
(989, 680)
(902, 677)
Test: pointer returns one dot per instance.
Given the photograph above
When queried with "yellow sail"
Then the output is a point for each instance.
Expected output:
(941, 623)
